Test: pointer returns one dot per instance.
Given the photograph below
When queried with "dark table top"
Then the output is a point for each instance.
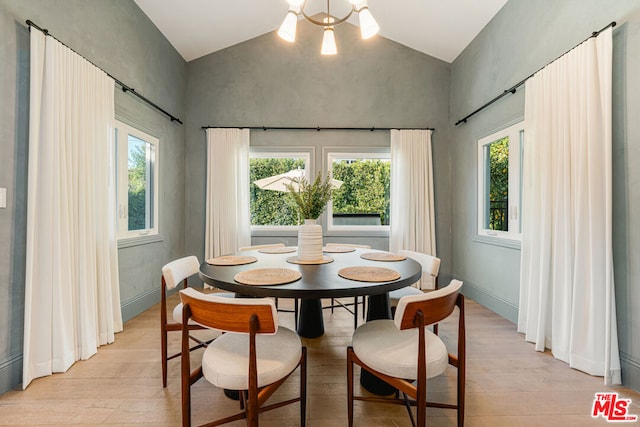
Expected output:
(318, 280)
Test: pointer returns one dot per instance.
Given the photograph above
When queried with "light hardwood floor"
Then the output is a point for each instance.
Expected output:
(508, 384)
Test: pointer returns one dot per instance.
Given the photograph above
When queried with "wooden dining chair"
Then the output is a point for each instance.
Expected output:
(429, 280)
(336, 303)
(173, 274)
(256, 356)
(404, 353)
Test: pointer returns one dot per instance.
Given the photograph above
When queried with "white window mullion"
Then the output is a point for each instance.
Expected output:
(514, 136)
(125, 134)
(122, 180)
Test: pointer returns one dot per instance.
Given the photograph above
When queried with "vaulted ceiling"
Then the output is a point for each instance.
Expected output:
(439, 28)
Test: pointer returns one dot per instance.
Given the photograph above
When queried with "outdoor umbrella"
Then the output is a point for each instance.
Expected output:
(279, 182)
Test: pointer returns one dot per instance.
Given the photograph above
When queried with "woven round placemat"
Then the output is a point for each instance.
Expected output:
(295, 260)
(267, 276)
(338, 249)
(278, 250)
(382, 256)
(369, 274)
(232, 260)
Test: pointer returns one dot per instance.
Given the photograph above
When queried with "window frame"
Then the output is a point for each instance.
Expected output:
(125, 236)
(512, 237)
(308, 153)
(337, 153)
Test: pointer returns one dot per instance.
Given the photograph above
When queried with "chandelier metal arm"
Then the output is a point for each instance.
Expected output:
(326, 24)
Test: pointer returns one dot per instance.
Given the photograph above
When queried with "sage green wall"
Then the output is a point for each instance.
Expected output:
(268, 82)
(119, 38)
(265, 81)
(523, 37)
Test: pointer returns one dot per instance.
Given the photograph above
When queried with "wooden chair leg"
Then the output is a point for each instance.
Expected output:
(164, 356)
(421, 405)
(252, 413)
(296, 309)
(303, 388)
(185, 374)
(350, 386)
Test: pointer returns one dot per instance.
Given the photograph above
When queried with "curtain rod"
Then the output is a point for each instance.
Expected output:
(125, 88)
(513, 88)
(317, 128)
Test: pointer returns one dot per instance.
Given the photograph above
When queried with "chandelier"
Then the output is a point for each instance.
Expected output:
(368, 25)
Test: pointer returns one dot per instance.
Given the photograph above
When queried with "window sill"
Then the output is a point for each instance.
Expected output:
(357, 232)
(498, 241)
(274, 232)
(138, 241)
(332, 232)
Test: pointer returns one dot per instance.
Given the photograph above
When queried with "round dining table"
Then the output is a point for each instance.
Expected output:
(318, 281)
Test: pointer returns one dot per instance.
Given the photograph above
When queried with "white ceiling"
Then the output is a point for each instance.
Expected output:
(440, 28)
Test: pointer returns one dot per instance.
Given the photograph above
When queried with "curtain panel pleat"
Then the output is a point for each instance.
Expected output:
(228, 225)
(567, 301)
(72, 296)
(412, 216)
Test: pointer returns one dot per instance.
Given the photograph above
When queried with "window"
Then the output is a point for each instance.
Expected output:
(136, 182)
(270, 207)
(362, 202)
(500, 183)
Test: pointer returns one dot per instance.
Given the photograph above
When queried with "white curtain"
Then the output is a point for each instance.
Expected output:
(72, 295)
(567, 299)
(412, 222)
(228, 225)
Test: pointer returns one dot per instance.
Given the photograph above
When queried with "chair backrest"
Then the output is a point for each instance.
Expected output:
(270, 245)
(435, 306)
(349, 245)
(430, 267)
(230, 314)
(176, 271)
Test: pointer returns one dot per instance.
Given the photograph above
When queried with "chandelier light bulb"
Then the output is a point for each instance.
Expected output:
(368, 25)
(287, 30)
(329, 42)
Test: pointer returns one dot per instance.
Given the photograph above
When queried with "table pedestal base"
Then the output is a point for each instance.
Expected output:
(310, 322)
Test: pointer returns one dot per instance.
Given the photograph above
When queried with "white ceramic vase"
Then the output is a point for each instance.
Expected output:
(309, 241)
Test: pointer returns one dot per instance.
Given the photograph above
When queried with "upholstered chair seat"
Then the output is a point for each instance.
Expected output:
(225, 362)
(382, 346)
